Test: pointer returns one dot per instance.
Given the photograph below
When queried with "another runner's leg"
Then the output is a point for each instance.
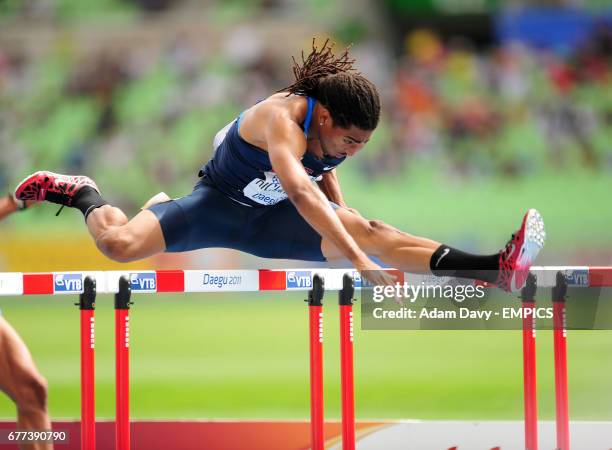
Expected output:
(21, 381)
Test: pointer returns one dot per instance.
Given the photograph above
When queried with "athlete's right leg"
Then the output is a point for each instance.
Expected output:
(22, 382)
(508, 268)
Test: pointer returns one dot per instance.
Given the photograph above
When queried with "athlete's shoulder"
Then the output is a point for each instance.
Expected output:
(278, 114)
(280, 105)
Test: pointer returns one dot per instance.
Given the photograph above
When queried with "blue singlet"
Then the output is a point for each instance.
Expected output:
(244, 173)
(239, 203)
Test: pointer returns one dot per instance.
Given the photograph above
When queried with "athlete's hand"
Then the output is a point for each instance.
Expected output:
(375, 274)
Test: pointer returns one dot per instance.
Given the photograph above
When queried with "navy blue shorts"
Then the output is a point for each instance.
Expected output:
(207, 218)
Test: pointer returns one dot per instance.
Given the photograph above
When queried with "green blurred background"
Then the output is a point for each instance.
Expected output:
(482, 119)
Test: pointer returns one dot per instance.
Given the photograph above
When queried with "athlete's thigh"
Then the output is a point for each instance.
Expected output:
(373, 236)
(16, 363)
(144, 234)
(203, 219)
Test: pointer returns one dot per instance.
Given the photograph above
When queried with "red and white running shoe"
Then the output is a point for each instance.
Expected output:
(520, 252)
(52, 187)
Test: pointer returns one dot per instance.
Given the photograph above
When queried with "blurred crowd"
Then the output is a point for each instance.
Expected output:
(140, 121)
(511, 110)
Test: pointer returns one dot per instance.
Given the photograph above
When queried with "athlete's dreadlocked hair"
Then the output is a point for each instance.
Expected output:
(350, 98)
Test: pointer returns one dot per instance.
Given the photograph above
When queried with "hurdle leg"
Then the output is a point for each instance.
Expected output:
(529, 364)
(315, 312)
(122, 368)
(346, 366)
(560, 350)
(88, 409)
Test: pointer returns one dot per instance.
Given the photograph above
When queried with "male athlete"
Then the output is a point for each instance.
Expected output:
(257, 194)
(19, 378)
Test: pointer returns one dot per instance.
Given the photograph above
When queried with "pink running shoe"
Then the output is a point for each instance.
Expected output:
(520, 252)
(52, 187)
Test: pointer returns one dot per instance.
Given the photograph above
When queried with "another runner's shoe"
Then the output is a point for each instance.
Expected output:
(52, 187)
(520, 252)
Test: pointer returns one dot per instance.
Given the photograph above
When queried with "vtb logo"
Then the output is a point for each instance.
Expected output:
(68, 282)
(577, 277)
(143, 282)
(299, 279)
(357, 282)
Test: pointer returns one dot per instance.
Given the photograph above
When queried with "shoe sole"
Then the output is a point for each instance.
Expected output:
(28, 179)
(533, 242)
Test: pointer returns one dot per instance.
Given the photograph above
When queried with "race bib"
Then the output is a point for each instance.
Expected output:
(267, 191)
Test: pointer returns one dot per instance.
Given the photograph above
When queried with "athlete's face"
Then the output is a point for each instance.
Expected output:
(338, 142)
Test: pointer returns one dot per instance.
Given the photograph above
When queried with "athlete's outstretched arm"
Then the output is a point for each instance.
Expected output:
(286, 145)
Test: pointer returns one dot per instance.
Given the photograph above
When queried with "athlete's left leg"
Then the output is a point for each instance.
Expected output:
(117, 237)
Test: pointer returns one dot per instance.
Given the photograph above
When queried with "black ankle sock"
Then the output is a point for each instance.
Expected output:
(448, 261)
(88, 199)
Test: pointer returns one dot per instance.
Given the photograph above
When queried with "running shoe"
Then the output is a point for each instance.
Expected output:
(52, 187)
(520, 252)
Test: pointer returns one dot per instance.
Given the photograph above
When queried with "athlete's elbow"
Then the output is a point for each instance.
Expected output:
(299, 196)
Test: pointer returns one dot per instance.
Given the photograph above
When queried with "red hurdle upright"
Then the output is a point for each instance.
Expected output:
(529, 363)
(560, 347)
(315, 312)
(122, 367)
(87, 301)
(345, 300)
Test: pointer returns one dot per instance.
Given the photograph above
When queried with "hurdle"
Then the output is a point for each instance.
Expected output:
(87, 302)
(558, 280)
(88, 283)
(345, 301)
(315, 316)
(560, 351)
(529, 364)
(122, 365)
(122, 397)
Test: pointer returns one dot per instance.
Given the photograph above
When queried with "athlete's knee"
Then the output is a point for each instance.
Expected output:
(380, 235)
(118, 244)
(377, 229)
(377, 226)
(31, 392)
(367, 232)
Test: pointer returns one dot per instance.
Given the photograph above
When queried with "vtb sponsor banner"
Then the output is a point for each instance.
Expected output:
(67, 283)
(576, 276)
(144, 282)
(301, 279)
(72, 282)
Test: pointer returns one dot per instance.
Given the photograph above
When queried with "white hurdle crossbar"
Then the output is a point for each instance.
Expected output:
(158, 281)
